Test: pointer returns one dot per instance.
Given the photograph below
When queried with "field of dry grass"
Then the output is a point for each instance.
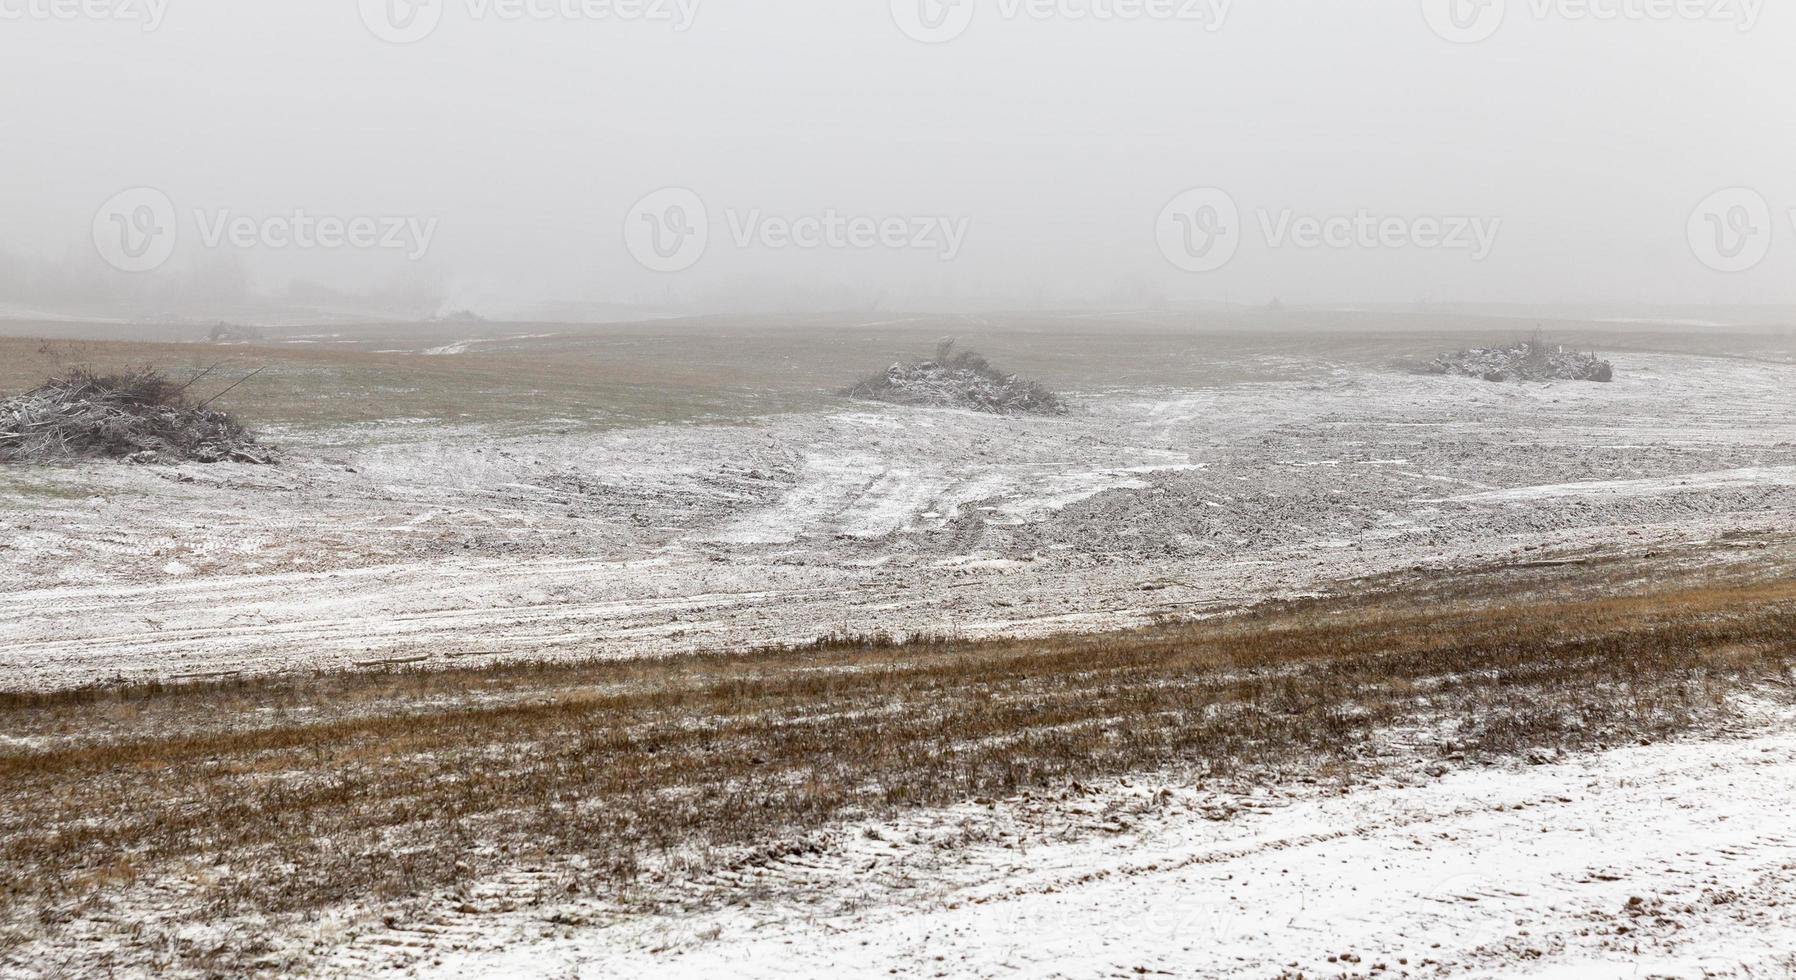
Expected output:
(312, 386)
(130, 814)
(738, 367)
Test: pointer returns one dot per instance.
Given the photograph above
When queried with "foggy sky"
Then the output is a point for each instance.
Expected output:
(1052, 142)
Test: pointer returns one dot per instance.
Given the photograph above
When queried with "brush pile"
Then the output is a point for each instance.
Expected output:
(139, 416)
(1526, 360)
(234, 333)
(960, 379)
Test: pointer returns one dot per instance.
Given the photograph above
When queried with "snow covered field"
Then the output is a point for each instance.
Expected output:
(1422, 785)
(442, 541)
(1674, 860)
(1364, 790)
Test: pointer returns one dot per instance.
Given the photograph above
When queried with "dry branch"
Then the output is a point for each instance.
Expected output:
(393, 662)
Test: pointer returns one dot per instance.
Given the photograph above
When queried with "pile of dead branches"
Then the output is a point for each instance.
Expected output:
(959, 379)
(139, 416)
(1525, 360)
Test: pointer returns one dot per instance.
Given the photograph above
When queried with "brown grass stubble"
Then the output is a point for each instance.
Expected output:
(616, 763)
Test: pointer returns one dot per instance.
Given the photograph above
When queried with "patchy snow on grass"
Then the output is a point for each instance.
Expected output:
(1673, 860)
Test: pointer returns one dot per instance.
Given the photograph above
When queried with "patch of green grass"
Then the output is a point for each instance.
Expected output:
(22, 486)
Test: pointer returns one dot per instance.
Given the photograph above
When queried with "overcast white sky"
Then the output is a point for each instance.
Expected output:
(1051, 142)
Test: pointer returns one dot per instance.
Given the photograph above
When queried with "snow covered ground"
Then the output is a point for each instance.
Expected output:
(399, 541)
(451, 543)
(1675, 860)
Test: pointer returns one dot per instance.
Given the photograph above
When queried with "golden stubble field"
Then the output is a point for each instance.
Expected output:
(254, 806)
